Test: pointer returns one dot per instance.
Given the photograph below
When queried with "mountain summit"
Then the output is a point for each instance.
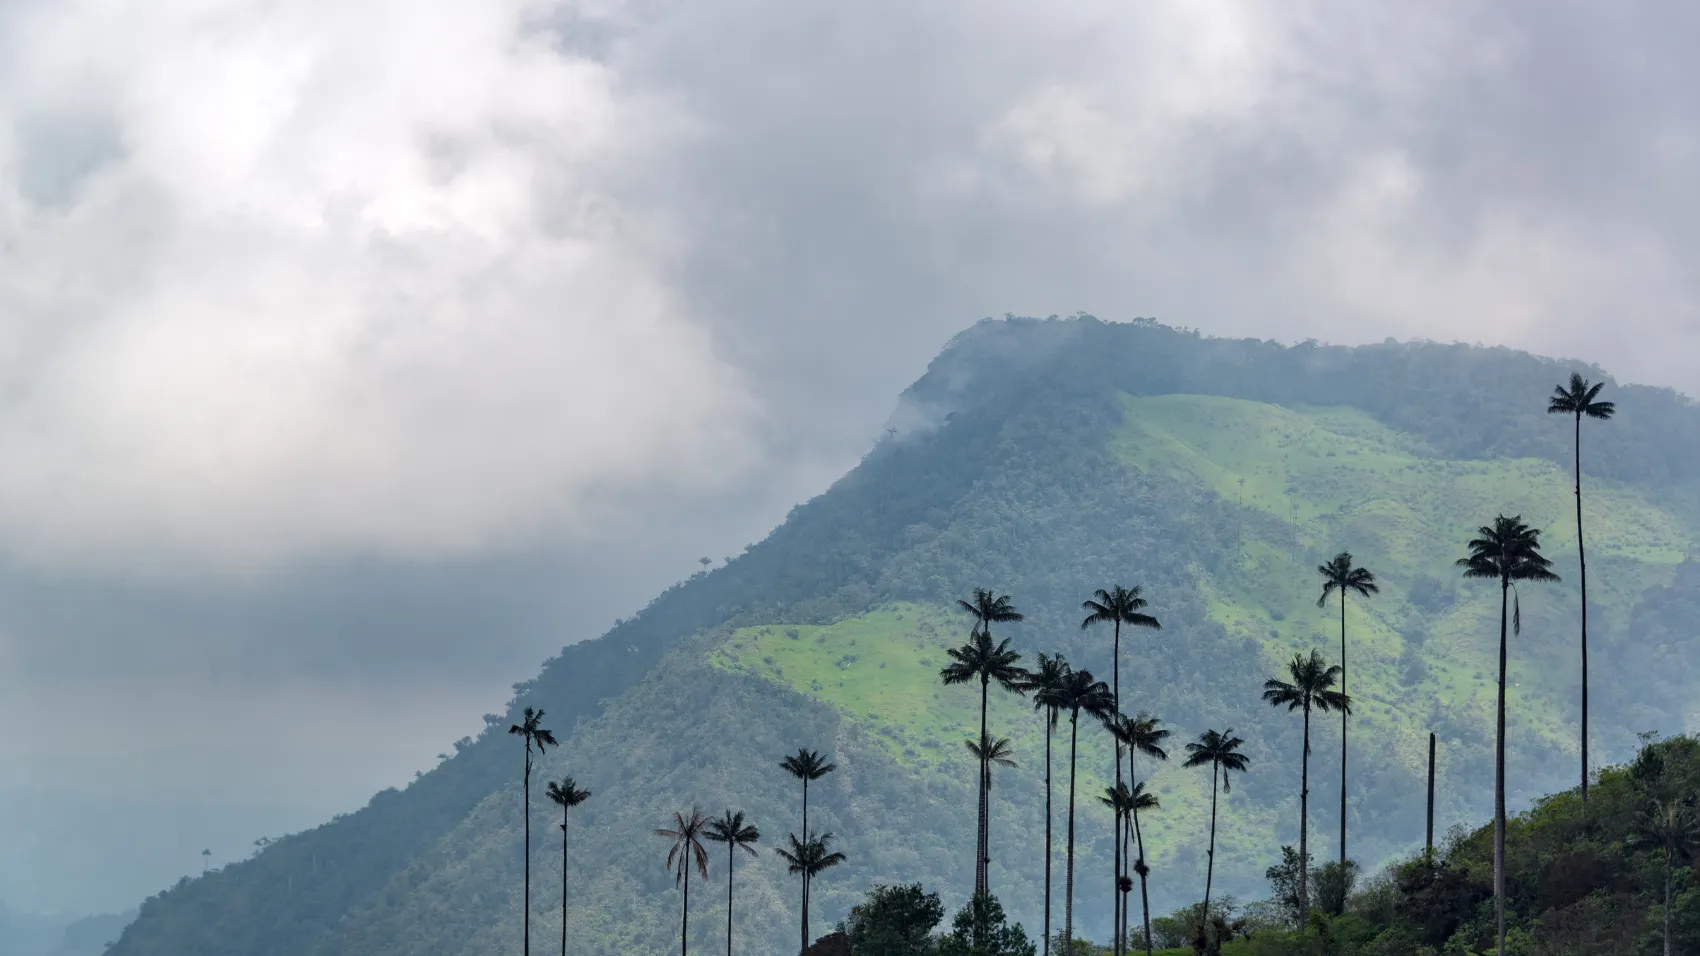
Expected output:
(1046, 459)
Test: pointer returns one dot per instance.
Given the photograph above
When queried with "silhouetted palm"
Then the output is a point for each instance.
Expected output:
(1222, 752)
(999, 753)
(980, 659)
(1079, 692)
(1043, 683)
(808, 858)
(1141, 734)
(1507, 551)
(687, 834)
(806, 765)
(532, 730)
(1312, 687)
(1342, 575)
(1581, 399)
(1117, 606)
(737, 835)
(1671, 827)
(565, 795)
(1126, 802)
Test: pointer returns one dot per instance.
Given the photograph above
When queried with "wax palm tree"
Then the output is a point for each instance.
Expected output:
(1141, 734)
(979, 659)
(807, 858)
(806, 765)
(566, 795)
(1126, 802)
(687, 834)
(1117, 606)
(998, 753)
(1221, 750)
(1671, 827)
(1311, 688)
(1078, 693)
(530, 728)
(1343, 575)
(1043, 683)
(731, 830)
(1507, 551)
(1581, 399)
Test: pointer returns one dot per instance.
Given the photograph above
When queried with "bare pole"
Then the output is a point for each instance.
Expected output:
(1428, 842)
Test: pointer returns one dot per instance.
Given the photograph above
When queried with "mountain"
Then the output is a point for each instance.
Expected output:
(1047, 458)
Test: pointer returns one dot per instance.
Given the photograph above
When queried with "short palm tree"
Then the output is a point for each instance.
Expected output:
(807, 858)
(686, 833)
(1581, 399)
(565, 795)
(1671, 827)
(531, 728)
(1141, 734)
(1126, 802)
(998, 753)
(1043, 683)
(1311, 688)
(737, 835)
(1078, 693)
(1117, 606)
(1507, 551)
(980, 659)
(1343, 575)
(806, 765)
(1221, 750)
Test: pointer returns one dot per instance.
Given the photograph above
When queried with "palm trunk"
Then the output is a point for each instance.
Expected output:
(730, 846)
(526, 905)
(685, 910)
(1116, 699)
(1046, 716)
(1499, 781)
(1667, 900)
(1210, 854)
(1068, 904)
(805, 875)
(1142, 869)
(806, 881)
(1582, 566)
(980, 836)
(564, 819)
(1344, 717)
(1304, 826)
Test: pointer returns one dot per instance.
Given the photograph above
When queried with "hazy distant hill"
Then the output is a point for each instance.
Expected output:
(1046, 459)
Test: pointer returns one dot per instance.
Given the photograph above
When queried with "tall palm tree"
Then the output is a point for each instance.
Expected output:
(531, 728)
(565, 795)
(807, 858)
(1117, 606)
(1079, 692)
(1125, 801)
(1311, 687)
(737, 835)
(1343, 575)
(1507, 551)
(998, 753)
(980, 659)
(1671, 827)
(1140, 734)
(1042, 682)
(1581, 399)
(1221, 750)
(806, 765)
(687, 833)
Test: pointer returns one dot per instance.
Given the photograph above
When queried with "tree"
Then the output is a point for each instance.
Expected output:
(1670, 826)
(806, 765)
(731, 830)
(1125, 801)
(1043, 682)
(1507, 551)
(989, 663)
(1221, 751)
(895, 921)
(1581, 399)
(565, 795)
(980, 929)
(1141, 734)
(807, 858)
(1079, 692)
(687, 834)
(530, 728)
(1117, 606)
(998, 753)
(1311, 687)
(1343, 575)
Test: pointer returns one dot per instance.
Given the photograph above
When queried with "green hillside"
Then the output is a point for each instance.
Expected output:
(1046, 459)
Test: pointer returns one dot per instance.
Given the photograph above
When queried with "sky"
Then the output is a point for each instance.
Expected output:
(355, 355)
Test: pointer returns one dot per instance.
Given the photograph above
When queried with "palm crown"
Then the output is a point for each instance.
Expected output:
(1118, 604)
(567, 794)
(532, 730)
(1508, 550)
(1042, 682)
(809, 857)
(807, 765)
(1312, 686)
(1220, 748)
(999, 752)
(989, 607)
(1579, 399)
(980, 659)
(1080, 692)
(733, 831)
(687, 834)
(1140, 733)
(1341, 575)
(1124, 799)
